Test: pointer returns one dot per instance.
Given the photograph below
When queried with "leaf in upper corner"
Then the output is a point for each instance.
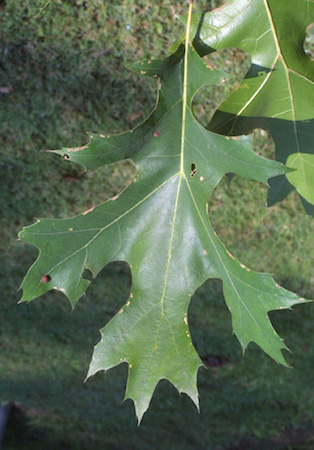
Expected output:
(160, 226)
(277, 93)
(303, 175)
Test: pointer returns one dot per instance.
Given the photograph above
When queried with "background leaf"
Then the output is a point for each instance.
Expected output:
(303, 177)
(277, 93)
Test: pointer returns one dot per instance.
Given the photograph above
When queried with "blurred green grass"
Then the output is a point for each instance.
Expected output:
(64, 73)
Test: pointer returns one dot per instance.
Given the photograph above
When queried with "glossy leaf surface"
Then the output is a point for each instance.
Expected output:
(160, 226)
(303, 175)
(277, 93)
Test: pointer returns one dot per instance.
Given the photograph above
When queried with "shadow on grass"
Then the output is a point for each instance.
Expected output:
(46, 350)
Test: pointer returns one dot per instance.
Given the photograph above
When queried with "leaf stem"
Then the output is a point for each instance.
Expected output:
(185, 83)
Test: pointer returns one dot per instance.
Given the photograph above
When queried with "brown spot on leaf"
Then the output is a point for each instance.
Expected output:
(45, 278)
(77, 149)
(88, 211)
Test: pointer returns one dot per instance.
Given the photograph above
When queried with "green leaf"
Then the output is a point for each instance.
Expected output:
(303, 177)
(277, 93)
(160, 226)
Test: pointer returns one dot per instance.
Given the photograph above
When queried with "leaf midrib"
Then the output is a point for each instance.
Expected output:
(183, 131)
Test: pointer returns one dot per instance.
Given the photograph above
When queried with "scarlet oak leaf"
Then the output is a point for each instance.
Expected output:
(277, 93)
(160, 226)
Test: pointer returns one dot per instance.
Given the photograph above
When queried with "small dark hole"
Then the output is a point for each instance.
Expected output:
(193, 170)
(66, 156)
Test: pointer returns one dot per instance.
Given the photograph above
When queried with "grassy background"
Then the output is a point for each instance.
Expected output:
(63, 74)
